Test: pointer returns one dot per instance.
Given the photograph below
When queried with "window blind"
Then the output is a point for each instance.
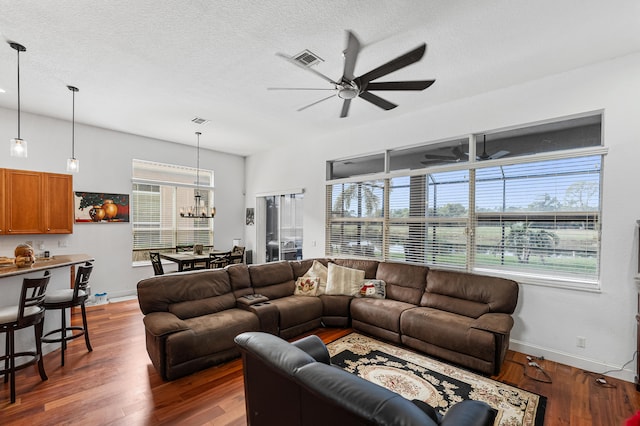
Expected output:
(158, 192)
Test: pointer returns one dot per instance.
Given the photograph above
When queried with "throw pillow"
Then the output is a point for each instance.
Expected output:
(320, 271)
(341, 280)
(375, 289)
(306, 286)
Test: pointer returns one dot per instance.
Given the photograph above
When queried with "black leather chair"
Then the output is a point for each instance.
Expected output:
(299, 377)
(28, 313)
(67, 299)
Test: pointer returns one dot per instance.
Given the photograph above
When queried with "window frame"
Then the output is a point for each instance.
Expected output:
(472, 165)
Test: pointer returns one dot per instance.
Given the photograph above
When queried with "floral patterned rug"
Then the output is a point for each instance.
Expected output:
(441, 385)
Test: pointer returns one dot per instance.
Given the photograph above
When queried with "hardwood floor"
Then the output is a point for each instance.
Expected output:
(117, 385)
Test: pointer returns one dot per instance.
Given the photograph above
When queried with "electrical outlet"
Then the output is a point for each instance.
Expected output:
(581, 342)
(62, 243)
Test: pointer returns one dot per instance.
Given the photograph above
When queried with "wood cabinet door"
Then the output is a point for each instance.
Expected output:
(3, 229)
(58, 199)
(24, 202)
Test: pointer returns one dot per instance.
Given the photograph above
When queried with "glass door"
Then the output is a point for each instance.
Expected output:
(282, 231)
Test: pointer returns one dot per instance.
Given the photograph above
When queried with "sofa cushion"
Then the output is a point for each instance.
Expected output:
(368, 266)
(157, 294)
(273, 280)
(208, 305)
(342, 280)
(318, 270)
(372, 288)
(469, 294)
(448, 330)
(383, 313)
(405, 282)
(306, 286)
(240, 279)
(209, 334)
(297, 310)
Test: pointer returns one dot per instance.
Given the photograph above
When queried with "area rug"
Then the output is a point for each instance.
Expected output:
(441, 385)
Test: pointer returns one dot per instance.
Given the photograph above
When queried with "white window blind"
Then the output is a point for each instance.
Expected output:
(428, 216)
(540, 218)
(158, 193)
(355, 220)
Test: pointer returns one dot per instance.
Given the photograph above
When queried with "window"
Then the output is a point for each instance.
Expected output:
(159, 191)
(525, 204)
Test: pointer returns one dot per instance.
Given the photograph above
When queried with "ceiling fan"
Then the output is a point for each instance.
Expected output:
(349, 86)
(460, 155)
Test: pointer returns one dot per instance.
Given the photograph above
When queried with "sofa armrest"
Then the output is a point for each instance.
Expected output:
(162, 323)
(314, 346)
(469, 412)
(494, 322)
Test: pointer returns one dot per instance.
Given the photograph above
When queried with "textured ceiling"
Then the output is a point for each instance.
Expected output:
(148, 67)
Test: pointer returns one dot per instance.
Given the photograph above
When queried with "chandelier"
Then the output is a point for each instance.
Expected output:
(198, 209)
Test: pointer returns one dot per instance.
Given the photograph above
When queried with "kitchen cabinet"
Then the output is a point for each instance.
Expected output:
(36, 203)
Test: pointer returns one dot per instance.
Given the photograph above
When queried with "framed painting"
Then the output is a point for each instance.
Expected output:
(100, 207)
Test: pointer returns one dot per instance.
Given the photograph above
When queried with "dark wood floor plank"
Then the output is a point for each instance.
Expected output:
(117, 385)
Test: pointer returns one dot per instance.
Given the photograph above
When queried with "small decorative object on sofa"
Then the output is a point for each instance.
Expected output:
(372, 288)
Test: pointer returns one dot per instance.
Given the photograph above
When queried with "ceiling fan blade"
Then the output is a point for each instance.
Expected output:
(400, 62)
(296, 63)
(350, 56)
(400, 85)
(345, 108)
(295, 88)
(436, 157)
(316, 102)
(499, 154)
(377, 101)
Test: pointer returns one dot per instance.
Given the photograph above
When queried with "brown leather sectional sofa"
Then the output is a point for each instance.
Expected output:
(191, 318)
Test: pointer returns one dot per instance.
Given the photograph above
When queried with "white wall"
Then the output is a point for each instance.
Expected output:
(105, 166)
(547, 320)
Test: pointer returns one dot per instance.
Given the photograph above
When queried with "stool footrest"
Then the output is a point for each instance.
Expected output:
(35, 357)
(67, 337)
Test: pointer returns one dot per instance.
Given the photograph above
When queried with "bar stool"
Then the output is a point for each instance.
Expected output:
(29, 312)
(68, 298)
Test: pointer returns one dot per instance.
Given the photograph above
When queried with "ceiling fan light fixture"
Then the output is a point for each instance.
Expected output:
(18, 146)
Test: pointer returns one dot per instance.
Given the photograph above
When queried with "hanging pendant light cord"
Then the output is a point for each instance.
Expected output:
(198, 165)
(18, 50)
(73, 125)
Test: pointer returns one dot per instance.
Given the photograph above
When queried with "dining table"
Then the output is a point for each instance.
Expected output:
(189, 258)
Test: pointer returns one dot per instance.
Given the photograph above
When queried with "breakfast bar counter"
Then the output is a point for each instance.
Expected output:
(58, 261)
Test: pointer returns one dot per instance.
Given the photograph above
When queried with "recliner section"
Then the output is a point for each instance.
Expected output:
(191, 318)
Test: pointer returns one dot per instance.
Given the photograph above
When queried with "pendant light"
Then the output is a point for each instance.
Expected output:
(18, 146)
(73, 165)
(198, 210)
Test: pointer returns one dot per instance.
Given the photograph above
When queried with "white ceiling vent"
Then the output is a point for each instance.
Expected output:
(307, 58)
(199, 120)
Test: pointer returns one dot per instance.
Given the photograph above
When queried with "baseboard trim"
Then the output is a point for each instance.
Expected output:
(574, 361)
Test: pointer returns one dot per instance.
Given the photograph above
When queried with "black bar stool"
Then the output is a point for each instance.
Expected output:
(68, 298)
(29, 312)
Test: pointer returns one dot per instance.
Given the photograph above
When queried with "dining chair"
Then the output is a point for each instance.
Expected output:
(68, 298)
(237, 254)
(156, 263)
(219, 260)
(29, 312)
